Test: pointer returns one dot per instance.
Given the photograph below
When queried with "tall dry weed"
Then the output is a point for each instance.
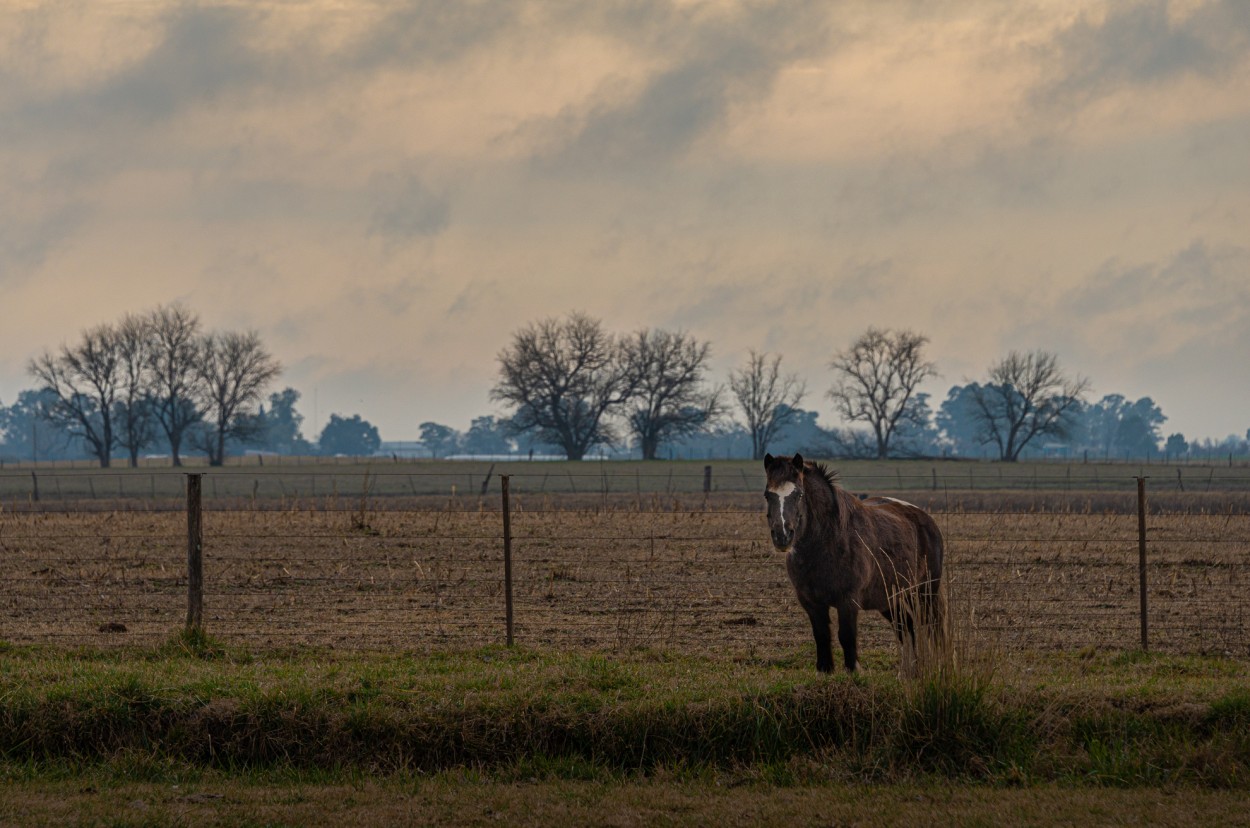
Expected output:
(951, 719)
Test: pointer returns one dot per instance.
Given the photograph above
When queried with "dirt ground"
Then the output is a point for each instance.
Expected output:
(602, 576)
(447, 802)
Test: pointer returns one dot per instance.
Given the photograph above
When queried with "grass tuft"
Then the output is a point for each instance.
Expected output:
(953, 719)
(192, 642)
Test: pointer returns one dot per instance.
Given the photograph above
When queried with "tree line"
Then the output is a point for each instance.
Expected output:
(157, 380)
(122, 384)
(573, 385)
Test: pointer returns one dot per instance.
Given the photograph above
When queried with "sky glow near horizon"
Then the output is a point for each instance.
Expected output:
(386, 191)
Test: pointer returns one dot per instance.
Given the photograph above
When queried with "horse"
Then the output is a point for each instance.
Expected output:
(849, 554)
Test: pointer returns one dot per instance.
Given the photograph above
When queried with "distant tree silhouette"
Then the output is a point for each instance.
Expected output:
(564, 378)
(83, 380)
(281, 424)
(352, 436)
(135, 409)
(1027, 396)
(876, 380)
(671, 401)
(767, 398)
(441, 440)
(234, 369)
(485, 436)
(173, 362)
(26, 434)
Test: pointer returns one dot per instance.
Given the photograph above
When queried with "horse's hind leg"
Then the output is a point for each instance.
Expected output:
(848, 633)
(934, 603)
(935, 613)
(905, 631)
(904, 626)
(818, 614)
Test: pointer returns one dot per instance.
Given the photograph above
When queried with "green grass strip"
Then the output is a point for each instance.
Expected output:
(194, 703)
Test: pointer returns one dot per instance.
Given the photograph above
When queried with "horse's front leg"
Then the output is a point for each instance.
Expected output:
(818, 614)
(848, 634)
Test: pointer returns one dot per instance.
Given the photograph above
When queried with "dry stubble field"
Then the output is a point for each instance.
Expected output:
(689, 577)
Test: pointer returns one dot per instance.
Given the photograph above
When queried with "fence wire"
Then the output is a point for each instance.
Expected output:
(690, 580)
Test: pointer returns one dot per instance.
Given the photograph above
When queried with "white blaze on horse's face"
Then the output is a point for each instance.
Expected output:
(780, 498)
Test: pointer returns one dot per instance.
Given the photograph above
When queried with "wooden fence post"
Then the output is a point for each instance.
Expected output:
(1141, 557)
(707, 479)
(195, 548)
(507, 555)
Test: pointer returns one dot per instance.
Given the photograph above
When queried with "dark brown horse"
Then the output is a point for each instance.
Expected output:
(877, 554)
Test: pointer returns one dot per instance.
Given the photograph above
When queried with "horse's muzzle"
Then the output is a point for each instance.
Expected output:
(783, 540)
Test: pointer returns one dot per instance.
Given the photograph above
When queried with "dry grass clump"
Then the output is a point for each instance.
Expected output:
(951, 718)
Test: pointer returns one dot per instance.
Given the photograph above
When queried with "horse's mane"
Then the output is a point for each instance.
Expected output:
(830, 476)
(840, 502)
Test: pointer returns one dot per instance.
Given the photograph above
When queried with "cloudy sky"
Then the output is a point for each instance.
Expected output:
(386, 190)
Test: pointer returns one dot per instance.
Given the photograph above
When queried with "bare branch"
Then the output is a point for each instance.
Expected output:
(671, 401)
(135, 407)
(173, 360)
(876, 380)
(1027, 396)
(85, 379)
(767, 398)
(565, 377)
(233, 373)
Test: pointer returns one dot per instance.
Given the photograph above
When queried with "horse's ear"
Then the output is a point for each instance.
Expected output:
(768, 460)
(798, 461)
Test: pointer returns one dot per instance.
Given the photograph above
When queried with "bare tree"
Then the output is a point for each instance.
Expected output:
(1027, 396)
(135, 417)
(84, 379)
(173, 358)
(671, 401)
(768, 399)
(851, 443)
(875, 382)
(565, 377)
(234, 369)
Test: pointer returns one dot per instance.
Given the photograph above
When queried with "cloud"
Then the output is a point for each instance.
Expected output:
(405, 208)
(863, 280)
(26, 240)
(1197, 276)
(1145, 44)
(429, 32)
(709, 62)
(202, 55)
(1135, 313)
(474, 297)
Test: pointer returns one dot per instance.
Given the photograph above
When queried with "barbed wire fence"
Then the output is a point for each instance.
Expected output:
(399, 562)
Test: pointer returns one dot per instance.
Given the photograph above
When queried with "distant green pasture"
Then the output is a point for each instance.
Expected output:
(346, 479)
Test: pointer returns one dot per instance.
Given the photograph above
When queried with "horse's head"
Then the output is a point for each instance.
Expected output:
(784, 495)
